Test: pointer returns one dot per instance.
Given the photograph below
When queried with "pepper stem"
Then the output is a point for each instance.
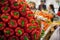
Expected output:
(35, 36)
(32, 21)
(24, 9)
(21, 2)
(15, 4)
(5, 17)
(6, 8)
(42, 33)
(16, 13)
(29, 15)
(8, 32)
(39, 22)
(19, 31)
(32, 27)
(3, 1)
(1, 25)
(22, 23)
(12, 23)
(26, 38)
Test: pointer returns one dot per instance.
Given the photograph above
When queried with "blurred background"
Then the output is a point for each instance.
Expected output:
(56, 3)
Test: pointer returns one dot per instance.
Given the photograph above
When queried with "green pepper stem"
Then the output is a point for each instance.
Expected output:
(32, 27)
(32, 21)
(24, 9)
(39, 22)
(5, 17)
(26, 38)
(22, 23)
(8, 32)
(1, 25)
(2, 1)
(6, 8)
(35, 36)
(15, 4)
(21, 2)
(16, 13)
(29, 15)
(42, 33)
(12, 23)
(19, 31)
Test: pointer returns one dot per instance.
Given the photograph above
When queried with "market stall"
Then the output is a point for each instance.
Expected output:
(19, 22)
(50, 25)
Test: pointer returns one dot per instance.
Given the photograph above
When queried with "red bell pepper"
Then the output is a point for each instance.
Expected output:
(22, 3)
(2, 37)
(30, 27)
(35, 35)
(38, 29)
(21, 0)
(2, 25)
(22, 21)
(5, 9)
(4, 2)
(23, 10)
(5, 17)
(25, 37)
(12, 23)
(15, 5)
(58, 13)
(29, 15)
(33, 21)
(12, 1)
(15, 14)
(8, 32)
(19, 31)
(13, 38)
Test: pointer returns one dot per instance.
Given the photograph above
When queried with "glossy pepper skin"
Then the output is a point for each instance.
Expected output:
(2, 25)
(23, 10)
(25, 36)
(22, 3)
(19, 31)
(36, 23)
(5, 17)
(8, 32)
(30, 27)
(29, 15)
(12, 23)
(13, 38)
(5, 9)
(22, 21)
(15, 5)
(33, 21)
(35, 35)
(3, 2)
(12, 1)
(15, 14)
